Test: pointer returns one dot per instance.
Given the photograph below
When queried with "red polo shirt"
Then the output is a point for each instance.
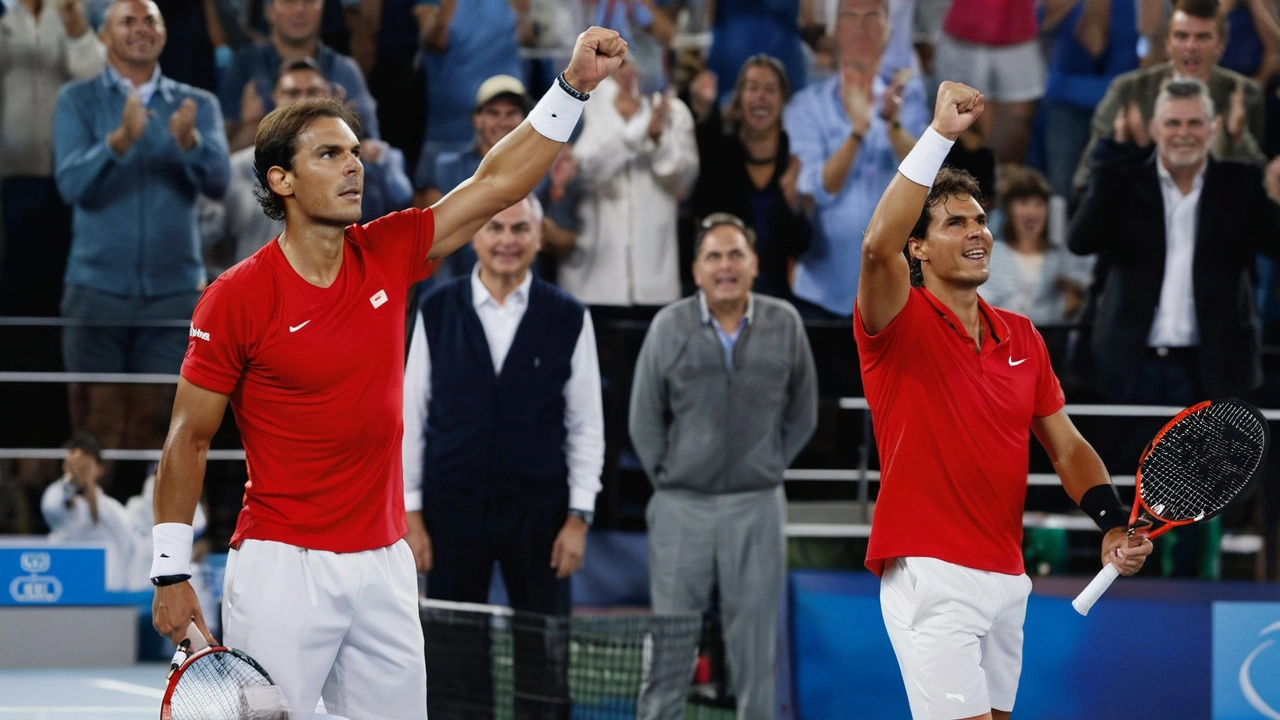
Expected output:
(316, 381)
(952, 426)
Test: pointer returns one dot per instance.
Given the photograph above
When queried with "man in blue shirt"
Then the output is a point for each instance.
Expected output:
(849, 132)
(245, 90)
(132, 150)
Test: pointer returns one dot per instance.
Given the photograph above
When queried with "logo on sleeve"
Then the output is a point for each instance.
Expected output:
(198, 333)
(379, 298)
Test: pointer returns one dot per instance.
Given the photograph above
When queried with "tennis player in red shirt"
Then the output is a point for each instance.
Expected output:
(953, 385)
(305, 340)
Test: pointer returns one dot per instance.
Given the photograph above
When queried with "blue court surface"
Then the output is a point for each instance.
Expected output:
(118, 693)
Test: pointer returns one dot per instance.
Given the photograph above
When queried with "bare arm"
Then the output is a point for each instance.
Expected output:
(197, 414)
(1080, 469)
(1094, 23)
(885, 280)
(433, 25)
(1073, 458)
(511, 170)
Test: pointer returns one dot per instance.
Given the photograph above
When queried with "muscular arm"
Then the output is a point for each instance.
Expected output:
(197, 415)
(1073, 458)
(1080, 469)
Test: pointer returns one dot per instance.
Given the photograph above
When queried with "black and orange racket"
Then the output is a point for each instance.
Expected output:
(1191, 470)
(217, 683)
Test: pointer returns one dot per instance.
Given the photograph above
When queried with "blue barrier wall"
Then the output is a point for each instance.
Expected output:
(1174, 645)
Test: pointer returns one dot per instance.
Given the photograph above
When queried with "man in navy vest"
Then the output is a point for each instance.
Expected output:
(503, 448)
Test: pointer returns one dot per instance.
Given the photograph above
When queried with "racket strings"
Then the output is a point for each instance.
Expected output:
(210, 687)
(1203, 461)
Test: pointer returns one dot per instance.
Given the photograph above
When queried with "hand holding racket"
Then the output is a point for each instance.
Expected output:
(216, 683)
(1192, 469)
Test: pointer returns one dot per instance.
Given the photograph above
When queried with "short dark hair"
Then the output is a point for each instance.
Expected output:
(87, 444)
(300, 65)
(715, 220)
(277, 142)
(949, 183)
(1205, 10)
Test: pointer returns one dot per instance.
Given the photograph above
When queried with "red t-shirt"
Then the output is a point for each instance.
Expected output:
(992, 22)
(316, 376)
(952, 426)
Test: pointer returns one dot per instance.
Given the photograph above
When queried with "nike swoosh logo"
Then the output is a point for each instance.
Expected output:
(1015, 364)
(955, 696)
(296, 328)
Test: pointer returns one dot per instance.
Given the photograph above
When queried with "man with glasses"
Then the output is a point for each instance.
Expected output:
(725, 397)
(238, 221)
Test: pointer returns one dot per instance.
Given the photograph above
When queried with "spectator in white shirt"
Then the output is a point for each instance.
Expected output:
(78, 510)
(503, 444)
(637, 158)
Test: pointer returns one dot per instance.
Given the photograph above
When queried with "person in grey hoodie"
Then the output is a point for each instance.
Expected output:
(725, 396)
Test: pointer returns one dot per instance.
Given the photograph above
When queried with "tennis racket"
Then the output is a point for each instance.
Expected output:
(218, 683)
(1191, 470)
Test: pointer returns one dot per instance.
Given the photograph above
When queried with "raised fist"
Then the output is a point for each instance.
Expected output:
(957, 108)
(597, 53)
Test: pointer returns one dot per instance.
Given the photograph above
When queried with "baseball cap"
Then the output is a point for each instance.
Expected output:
(500, 86)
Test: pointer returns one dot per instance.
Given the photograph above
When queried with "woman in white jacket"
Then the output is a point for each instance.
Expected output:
(637, 158)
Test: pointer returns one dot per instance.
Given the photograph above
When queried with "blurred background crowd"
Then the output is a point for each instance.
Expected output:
(126, 153)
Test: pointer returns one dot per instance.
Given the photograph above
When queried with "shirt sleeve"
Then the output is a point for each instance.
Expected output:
(583, 420)
(418, 227)
(1049, 397)
(417, 399)
(873, 348)
(217, 351)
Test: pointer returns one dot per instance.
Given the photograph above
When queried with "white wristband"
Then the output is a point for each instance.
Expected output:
(171, 549)
(556, 114)
(925, 159)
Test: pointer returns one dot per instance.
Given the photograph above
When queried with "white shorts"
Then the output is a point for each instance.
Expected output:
(1006, 73)
(957, 633)
(295, 611)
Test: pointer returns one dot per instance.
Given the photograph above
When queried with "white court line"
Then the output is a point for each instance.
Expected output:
(29, 711)
(124, 687)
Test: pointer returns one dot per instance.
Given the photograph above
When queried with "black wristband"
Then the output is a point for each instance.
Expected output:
(1102, 503)
(164, 580)
(573, 92)
(856, 136)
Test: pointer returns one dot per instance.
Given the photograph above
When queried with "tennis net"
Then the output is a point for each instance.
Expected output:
(490, 662)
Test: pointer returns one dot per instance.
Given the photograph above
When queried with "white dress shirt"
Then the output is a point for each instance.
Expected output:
(583, 406)
(1175, 321)
(627, 251)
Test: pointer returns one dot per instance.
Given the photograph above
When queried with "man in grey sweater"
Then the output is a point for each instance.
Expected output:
(725, 397)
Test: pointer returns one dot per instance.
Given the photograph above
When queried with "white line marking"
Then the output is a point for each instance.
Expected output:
(124, 687)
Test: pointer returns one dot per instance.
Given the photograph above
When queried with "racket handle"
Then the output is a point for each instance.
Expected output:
(196, 637)
(1087, 597)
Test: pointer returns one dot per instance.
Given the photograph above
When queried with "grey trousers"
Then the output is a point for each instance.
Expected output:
(734, 541)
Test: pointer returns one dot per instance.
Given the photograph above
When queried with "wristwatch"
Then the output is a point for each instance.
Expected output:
(585, 516)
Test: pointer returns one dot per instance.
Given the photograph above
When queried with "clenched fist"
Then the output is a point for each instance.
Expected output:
(597, 53)
(957, 108)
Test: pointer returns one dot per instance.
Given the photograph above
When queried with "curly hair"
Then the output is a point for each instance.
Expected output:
(277, 142)
(949, 183)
